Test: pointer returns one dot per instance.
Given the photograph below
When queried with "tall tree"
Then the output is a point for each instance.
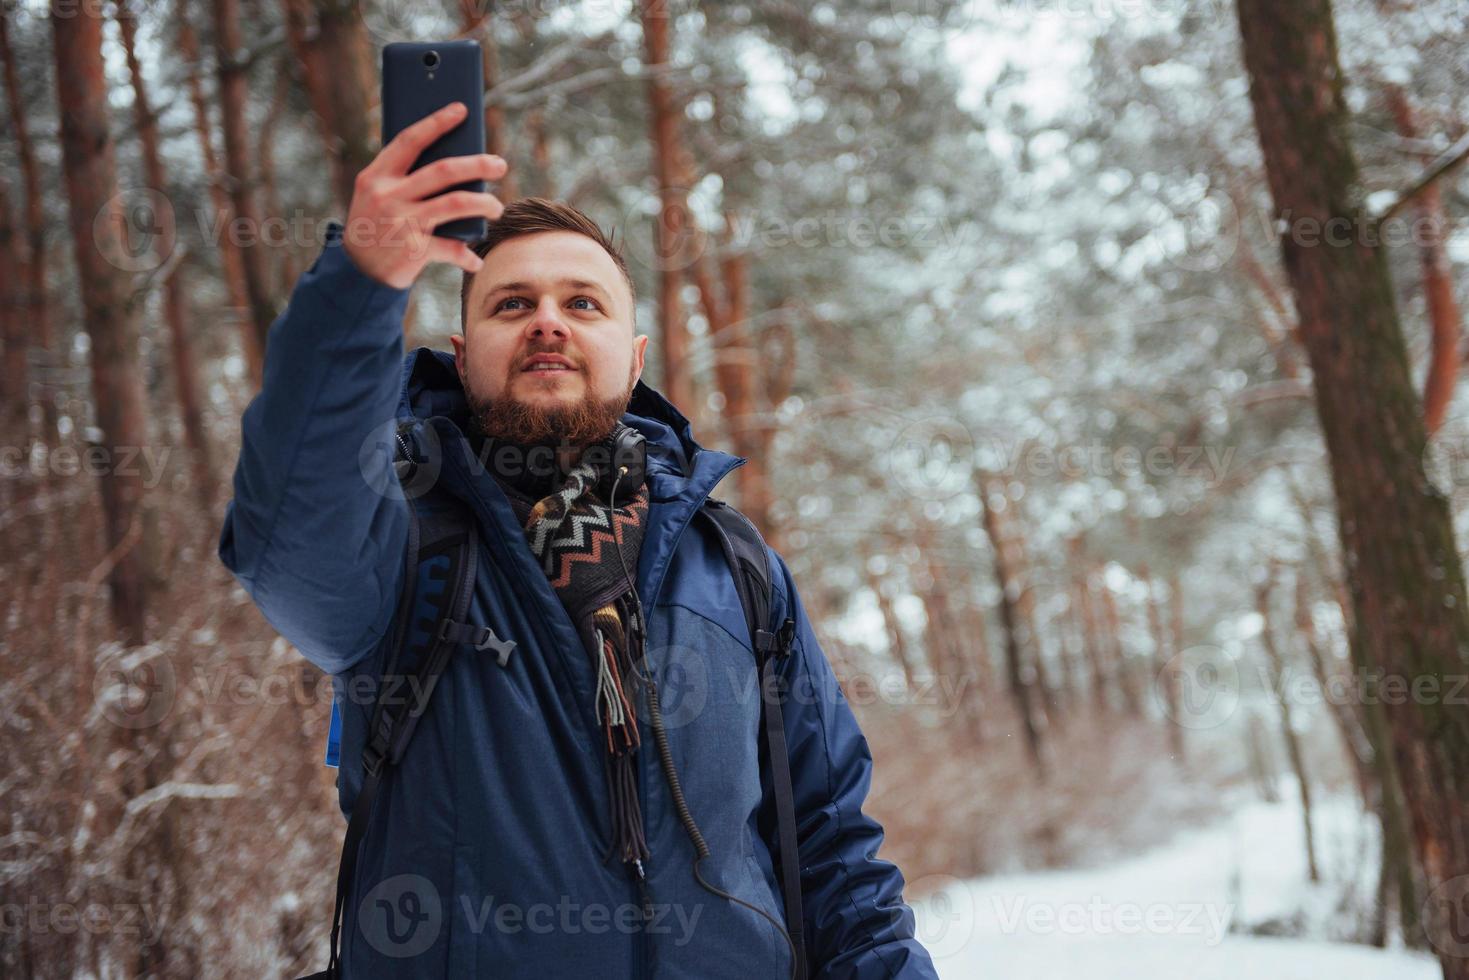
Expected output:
(474, 21)
(34, 304)
(97, 239)
(1286, 711)
(232, 66)
(673, 228)
(229, 248)
(13, 334)
(175, 296)
(1021, 654)
(1402, 567)
(334, 52)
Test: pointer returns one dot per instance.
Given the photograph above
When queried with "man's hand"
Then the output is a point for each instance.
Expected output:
(390, 226)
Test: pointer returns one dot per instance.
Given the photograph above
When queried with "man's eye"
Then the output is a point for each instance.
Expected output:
(586, 299)
(513, 299)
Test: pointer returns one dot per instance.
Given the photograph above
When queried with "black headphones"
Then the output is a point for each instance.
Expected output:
(629, 449)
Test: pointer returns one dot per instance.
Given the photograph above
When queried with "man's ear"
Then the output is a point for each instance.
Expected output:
(639, 351)
(459, 357)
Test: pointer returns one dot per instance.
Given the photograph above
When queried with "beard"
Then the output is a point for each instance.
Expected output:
(507, 419)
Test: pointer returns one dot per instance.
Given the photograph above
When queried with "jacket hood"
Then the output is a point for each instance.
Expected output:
(431, 387)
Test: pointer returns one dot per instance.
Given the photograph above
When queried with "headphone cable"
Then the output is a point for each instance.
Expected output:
(660, 739)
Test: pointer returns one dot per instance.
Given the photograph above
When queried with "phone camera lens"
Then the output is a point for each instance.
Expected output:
(431, 59)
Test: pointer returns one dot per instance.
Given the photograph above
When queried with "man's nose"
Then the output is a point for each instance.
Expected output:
(548, 322)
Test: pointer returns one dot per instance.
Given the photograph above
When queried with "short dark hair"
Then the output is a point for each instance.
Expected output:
(529, 215)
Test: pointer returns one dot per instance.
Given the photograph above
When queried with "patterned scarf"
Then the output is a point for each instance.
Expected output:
(571, 531)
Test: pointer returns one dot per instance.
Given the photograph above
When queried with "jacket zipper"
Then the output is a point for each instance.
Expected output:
(642, 947)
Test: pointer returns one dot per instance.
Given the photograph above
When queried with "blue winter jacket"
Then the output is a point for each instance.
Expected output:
(485, 856)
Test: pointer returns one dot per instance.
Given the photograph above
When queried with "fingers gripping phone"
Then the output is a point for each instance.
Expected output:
(420, 78)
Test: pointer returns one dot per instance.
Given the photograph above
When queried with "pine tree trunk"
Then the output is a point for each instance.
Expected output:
(175, 299)
(1282, 698)
(224, 212)
(673, 229)
(35, 307)
(1091, 642)
(233, 100)
(14, 373)
(1172, 680)
(117, 387)
(351, 84)
(474, 22)
(1402, 567)
(1019, 668)
(1118, 662)
(897, 641)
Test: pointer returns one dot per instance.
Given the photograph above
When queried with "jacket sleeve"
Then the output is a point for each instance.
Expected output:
(857, 925)
(313, 533)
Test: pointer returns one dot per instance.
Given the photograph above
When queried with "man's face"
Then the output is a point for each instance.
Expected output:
(549, 350)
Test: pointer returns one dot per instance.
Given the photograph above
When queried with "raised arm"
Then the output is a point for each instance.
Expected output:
(314, 532)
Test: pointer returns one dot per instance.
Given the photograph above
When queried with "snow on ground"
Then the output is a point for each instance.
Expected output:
(1176, 911)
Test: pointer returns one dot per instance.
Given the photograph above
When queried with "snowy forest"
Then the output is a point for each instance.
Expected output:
(1098, 365)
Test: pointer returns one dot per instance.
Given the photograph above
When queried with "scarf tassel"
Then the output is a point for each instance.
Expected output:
(620, 724)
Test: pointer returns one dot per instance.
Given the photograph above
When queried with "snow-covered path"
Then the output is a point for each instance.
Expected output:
(1167, 913)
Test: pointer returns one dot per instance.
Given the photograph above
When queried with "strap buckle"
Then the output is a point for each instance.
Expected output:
(777, 641)
(482, 638)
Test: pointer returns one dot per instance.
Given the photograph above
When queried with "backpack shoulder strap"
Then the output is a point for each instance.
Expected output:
(744, 551)
(441, 564)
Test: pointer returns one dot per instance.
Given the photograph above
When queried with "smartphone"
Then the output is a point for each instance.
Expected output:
(422, 77)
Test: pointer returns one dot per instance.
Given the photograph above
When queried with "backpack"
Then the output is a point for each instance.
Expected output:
(442, 559)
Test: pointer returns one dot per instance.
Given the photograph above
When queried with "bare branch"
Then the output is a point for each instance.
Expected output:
(1447, 161)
